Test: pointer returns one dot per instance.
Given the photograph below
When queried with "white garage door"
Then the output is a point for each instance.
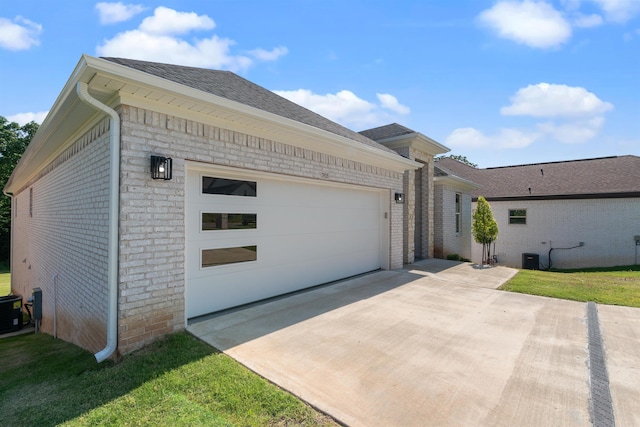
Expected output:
(253, 236)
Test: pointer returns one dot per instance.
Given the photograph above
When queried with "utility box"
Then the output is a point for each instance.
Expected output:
(10, 313)
(37, 303)
(531, 261)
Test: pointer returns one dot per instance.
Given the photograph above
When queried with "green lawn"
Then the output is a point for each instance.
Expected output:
(5, 283)
(177, 381)
(613, 285)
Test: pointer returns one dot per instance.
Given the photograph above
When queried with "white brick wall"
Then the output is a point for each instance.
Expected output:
(65, 239)
(152, 233)
(606, 226)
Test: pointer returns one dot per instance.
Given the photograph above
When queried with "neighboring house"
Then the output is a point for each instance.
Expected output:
(571, 214)
(418, 186)
(265, 197)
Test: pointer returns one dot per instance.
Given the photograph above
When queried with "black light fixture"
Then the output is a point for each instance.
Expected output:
(399, 197)
(161, 167)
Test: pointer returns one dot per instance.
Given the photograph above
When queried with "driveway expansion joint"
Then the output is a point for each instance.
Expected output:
(601, 404)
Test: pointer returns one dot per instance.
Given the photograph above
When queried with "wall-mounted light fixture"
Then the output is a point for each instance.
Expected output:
(399, 197)
(161, 167)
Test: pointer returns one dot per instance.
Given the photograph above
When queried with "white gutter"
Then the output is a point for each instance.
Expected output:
(114, 208)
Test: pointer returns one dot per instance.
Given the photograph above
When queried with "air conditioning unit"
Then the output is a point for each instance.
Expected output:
(531, 261)
(10, 313)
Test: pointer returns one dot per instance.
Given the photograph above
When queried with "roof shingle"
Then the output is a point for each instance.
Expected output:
(235, 88)
(599, 176)
(386, 131)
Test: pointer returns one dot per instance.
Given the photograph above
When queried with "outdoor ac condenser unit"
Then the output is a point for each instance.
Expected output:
(10, 313)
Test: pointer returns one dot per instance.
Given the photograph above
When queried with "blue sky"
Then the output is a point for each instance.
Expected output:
(500, 82)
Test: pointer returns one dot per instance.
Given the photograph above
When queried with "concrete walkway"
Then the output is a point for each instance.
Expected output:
(434, 345)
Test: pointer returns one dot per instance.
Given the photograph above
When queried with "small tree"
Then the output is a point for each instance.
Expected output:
(460, 158)
(484, 228)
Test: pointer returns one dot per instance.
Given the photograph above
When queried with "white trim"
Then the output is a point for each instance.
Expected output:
(68, 115)
(455, 181)
(415, 140)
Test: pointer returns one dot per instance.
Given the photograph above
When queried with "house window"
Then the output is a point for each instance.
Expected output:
(228, 221)
(228, 187)
(458, 212)
(31, 202)
(517, 216)
(223, 256)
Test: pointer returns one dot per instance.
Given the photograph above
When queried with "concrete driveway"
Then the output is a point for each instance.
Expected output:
(436, 345)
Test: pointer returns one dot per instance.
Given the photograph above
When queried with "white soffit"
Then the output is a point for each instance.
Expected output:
(416, 140)
(143, 90)
(112, 83)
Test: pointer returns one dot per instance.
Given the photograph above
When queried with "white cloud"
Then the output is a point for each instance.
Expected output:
(269, 55)
(553, 100)
(112, 13)
(390, 102)
(24, 118)
(587, 21)
(619, 11)
(21, 34)
(156, 39)
(505, 138)
(167, 21)
(573, 132)
(347, 108)
(532, 23)
(577, 117)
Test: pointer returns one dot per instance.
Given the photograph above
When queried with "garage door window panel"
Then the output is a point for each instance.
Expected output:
(229, 187)
(228, 221)
(225, 256)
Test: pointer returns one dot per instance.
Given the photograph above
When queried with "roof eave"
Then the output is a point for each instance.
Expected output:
(50, 139)
(456, 181)
(416, 140)
(40, 150)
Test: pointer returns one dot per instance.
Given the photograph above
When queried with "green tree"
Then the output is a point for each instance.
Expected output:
(484, 228)
(461, 159)
(13, 141)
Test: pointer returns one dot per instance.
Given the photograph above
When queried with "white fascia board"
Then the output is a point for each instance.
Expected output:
(456, 181)
(416, 140)
(43, 148)
(333, 144)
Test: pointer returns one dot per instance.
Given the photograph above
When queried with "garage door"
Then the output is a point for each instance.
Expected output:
(254, 236)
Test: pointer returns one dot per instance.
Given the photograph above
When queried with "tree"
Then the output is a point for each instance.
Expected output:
(461, 159)
(484, 228)
(13, 141)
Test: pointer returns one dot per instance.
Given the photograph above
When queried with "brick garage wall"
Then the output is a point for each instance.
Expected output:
(152, 233)
(60, 225)
(606, 226)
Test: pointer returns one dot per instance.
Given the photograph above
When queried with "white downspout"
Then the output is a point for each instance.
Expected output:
(114, 209)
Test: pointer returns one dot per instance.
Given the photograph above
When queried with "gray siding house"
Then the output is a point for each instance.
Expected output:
(156, 193)
(570, 214)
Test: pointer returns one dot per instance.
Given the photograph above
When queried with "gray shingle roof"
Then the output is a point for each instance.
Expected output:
(386, 131)
(439, 170)
(604, 176)
(233, 87)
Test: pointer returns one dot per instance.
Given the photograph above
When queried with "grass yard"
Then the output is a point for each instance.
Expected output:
(611, 285)
(177, 381)
(5, 284)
